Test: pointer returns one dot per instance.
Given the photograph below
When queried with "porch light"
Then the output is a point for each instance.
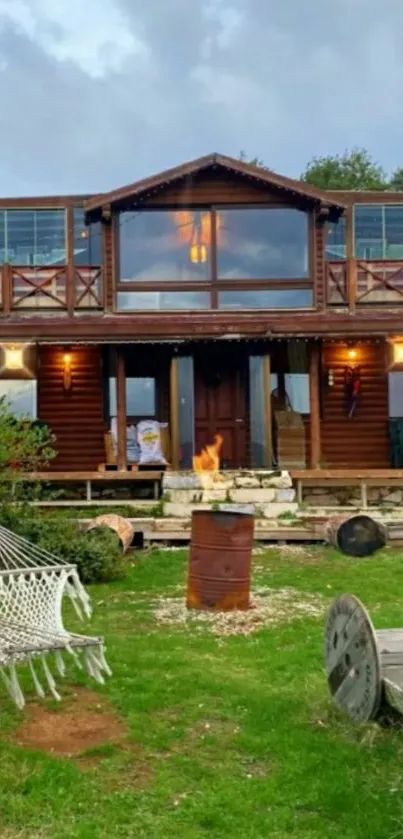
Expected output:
(13, 358)
(67, 371)
(352, 354)
(398, 353)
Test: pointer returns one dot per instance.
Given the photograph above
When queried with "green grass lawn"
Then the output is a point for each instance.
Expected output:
(221, 736)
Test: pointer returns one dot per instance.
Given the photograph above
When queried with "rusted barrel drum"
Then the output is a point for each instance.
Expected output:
(220, 560)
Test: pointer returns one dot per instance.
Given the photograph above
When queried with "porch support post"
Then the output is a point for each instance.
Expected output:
(267, 410)
(174, 412)
(121, 407)
(314, 403)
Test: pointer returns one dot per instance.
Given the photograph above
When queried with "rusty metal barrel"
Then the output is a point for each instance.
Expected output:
(220, 560)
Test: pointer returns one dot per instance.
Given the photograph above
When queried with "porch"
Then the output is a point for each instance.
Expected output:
(286, 404)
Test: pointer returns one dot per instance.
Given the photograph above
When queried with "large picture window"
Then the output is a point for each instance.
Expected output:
(166, 245)
(378, 231)
(217, 257)
(257, 244)
(33, 237)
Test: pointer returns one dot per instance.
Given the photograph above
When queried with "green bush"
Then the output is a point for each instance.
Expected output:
(97, 553)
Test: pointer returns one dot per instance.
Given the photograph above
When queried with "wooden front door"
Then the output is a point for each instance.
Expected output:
(220, 403)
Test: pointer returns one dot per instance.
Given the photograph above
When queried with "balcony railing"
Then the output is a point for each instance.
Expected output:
(357, 282)
(61, 288)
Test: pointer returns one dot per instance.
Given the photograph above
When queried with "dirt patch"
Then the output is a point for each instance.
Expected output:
(83, 721)
(268, 607)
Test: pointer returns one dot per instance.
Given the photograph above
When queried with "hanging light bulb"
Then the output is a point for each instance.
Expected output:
(197, 253)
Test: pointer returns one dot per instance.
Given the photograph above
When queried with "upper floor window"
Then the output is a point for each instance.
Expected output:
(335, 239)
(378, 231)
(87, 240)
(257, 244)
(164, 245)
(33, 237)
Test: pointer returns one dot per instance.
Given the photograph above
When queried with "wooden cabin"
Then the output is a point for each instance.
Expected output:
(215, 297)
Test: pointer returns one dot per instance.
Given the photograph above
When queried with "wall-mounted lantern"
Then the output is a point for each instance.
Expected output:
(13, 357)
(67, 371)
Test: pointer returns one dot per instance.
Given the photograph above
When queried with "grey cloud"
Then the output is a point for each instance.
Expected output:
(284, 81)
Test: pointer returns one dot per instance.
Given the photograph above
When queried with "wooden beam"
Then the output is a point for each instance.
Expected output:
(121, 407)
(314, 403)
(6, 287)
(351, 266)
(267, 410)
(70, 273)
(174, 412)
(352, 285)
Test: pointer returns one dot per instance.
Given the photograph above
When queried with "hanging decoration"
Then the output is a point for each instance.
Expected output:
(194, 230)
(352, 385)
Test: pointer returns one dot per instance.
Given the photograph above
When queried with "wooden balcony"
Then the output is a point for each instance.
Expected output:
(61, 288)
(356, 283)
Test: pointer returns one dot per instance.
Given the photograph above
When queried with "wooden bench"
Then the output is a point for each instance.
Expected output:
(362, 478)
(88, 478)
(364, 666)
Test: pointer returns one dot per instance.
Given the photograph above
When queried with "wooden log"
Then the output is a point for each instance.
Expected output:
(358, 535)
(122, 527)
(364, 667)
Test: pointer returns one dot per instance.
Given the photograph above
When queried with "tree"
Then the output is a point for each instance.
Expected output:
(354, 169)
(254, 161)
(25, 446)
(396, 181)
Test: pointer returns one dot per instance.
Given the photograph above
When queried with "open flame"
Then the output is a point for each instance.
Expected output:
(209, 458)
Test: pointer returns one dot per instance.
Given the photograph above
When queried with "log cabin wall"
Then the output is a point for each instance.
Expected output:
(362, 440)
(76, 416)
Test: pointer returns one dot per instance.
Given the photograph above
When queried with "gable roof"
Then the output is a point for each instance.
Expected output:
(193, 167)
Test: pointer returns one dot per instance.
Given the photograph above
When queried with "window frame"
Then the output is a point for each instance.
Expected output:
(382, 207)
(35, 395)
(35, 209)
(213, 284)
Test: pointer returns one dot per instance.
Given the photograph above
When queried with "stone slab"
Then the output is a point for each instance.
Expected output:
(252, 496)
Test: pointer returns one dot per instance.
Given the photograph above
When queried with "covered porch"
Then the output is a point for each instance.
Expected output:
(293, 404)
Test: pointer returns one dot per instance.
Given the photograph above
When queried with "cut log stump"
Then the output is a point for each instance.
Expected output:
(364, 667)
(356, 535)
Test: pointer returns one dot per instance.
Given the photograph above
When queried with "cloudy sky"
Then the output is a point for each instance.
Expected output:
(98, 93)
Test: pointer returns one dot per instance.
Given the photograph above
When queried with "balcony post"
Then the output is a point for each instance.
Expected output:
(6, 287)
(352, 284)
(70, 272)
(351, 262)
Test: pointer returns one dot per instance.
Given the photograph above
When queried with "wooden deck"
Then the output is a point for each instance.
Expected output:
(153, 476)
(362, 478)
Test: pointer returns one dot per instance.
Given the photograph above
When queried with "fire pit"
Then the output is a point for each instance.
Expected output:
(220, 560)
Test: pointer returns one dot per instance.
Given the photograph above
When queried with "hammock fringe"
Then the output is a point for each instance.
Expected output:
(33, 583)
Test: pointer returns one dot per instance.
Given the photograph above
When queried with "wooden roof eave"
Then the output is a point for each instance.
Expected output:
(136, 192)
(191, 325)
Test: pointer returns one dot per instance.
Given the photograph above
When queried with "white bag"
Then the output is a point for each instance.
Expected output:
(149, 441)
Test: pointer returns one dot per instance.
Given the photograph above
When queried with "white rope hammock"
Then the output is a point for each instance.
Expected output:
(32, 585)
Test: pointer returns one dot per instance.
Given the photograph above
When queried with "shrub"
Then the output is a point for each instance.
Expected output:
(96, 553)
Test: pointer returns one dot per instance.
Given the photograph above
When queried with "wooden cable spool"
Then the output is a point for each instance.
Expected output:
(356, 535)
(364, 667)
